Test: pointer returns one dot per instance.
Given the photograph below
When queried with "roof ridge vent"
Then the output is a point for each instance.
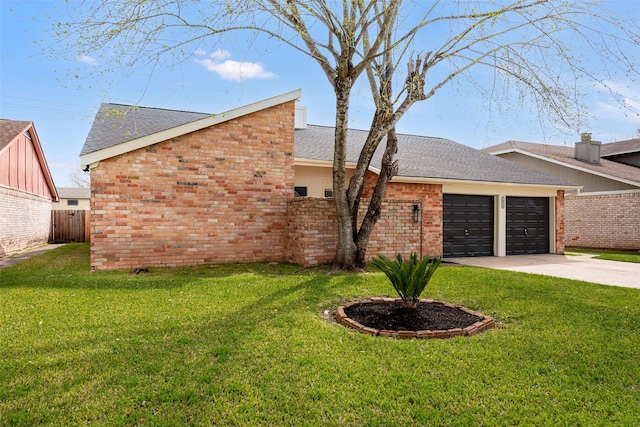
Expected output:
(587, 150)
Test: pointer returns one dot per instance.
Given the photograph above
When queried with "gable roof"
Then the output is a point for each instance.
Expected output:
(74, 193)
(10, 130)
(118, 123)
(423, 159)
(564, 156)
(119, 129)
(620, 147)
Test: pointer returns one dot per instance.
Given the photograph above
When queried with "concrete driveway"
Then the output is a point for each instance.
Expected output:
(577, 267)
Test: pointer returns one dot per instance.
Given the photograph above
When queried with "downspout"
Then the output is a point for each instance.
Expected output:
(421, 218)
(421, 229)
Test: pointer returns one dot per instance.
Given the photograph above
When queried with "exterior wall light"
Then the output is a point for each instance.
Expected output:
(416, 213)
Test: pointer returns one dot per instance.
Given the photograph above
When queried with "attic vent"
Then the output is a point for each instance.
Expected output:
(587, 150)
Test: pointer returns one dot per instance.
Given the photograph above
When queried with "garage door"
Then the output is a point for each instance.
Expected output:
(527, 225)
(467, 224)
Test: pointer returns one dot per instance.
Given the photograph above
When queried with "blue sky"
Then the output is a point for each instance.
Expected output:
(37, 87)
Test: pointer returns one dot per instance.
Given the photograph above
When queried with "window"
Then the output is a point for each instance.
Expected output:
(300, 191)
(72, 202)
(328, 192)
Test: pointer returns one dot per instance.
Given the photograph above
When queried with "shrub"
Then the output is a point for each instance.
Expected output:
(409, 278)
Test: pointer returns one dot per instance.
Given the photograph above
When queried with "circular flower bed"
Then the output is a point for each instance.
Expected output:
(430, 319)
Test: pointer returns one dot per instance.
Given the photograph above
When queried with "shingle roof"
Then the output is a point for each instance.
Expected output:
(74, 193)
(424, 157)
(418, 156)
(9, 129)
(620, 147)
(116, 123)
(564, 154)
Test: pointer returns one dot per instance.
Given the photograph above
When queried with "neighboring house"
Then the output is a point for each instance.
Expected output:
(26, 189)
(625, 152)
(72, 198)
(606, 213)
(172, 188)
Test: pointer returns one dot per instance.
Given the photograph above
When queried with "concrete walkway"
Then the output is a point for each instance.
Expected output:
(574, 266)
(15, 259)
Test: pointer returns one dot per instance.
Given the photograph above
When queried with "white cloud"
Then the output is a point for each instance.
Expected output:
(233, 70)
(86, 59)
(220, 54)
(200, 52)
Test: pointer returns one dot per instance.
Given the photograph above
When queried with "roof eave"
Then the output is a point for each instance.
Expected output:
(146, 141)
(424, 180)
(567, 165)
(35, 139)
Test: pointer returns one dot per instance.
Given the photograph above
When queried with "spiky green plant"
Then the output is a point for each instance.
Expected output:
(409, 278)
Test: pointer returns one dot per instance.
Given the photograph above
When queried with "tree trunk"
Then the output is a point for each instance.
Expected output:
(388, 169)
(346, 247)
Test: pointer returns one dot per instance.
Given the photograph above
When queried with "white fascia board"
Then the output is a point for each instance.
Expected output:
(570, 166)
(484, 186)
(609, 193)
(313, 163)
(214, 119)
(328, 164)
(503, 151)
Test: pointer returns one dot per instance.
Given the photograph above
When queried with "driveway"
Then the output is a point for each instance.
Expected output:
(577, 267)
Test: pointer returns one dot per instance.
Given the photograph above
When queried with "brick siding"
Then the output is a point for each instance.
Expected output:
(313, 234)
(25, 220)
(215, 195)
(609, 221)
(313, 237)
(430, 196)
(312, 231)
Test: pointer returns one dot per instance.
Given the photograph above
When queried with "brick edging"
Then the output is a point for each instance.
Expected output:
(480, 326)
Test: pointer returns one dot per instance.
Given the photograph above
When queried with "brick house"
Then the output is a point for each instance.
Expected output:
(26, 189)
(172, 188)
(606, 212)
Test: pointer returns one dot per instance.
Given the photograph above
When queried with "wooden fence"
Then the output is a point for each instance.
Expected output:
(69, 226)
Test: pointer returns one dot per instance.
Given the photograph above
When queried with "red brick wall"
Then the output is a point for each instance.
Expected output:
(216, 195)
(312, 234)
(312, 231)
(610, 221)
(431, 197)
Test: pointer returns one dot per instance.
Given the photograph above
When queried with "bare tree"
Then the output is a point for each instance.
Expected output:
(80, 178)
(406, 51)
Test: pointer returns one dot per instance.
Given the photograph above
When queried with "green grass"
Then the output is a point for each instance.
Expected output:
(609, 254)
(243, 345)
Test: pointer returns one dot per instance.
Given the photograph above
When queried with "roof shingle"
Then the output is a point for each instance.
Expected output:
(116, 123)
(424, 157)
(565, 154)
(418, 156)
(9, 129)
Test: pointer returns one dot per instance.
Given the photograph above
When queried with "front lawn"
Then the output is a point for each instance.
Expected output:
(609, 254)
(247, 345)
